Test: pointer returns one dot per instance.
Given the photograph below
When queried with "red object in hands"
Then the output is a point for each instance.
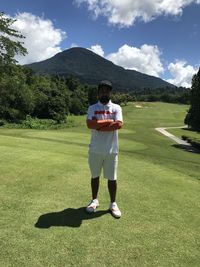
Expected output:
(98, 124)
(116, 125)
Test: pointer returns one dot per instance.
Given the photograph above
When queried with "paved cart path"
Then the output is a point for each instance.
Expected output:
(163, 131)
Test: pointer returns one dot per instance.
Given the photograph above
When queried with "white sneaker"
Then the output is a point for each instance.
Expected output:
(92, 206)
(115, 211)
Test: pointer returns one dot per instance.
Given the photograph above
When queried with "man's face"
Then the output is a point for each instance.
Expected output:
(104, 94)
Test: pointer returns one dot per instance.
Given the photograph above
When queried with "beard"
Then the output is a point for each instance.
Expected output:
(104, 99)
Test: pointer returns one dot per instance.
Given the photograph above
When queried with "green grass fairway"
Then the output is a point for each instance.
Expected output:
(45, 186)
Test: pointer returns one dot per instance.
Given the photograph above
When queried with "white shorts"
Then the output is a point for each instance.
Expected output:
(108, 162)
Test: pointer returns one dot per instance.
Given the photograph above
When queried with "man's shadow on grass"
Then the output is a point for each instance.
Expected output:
(68, 217)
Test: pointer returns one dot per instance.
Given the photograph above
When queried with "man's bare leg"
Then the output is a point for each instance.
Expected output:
(95, 187)
(112, 188)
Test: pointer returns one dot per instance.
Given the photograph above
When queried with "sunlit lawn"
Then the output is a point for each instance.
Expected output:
(45, 186)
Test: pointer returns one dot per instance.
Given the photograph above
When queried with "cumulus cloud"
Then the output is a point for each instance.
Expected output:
(125, 13)
(42, 38)
(73, 45)
(182, 73)
(145, 59)
(97, 49)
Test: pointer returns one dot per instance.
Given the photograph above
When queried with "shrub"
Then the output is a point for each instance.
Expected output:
(184, 137)
(2, 123)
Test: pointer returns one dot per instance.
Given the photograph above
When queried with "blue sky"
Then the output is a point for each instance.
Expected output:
(156, 37)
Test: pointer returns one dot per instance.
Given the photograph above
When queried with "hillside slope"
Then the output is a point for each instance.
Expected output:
(90, 68)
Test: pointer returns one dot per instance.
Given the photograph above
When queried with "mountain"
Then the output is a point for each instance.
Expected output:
(91, 68)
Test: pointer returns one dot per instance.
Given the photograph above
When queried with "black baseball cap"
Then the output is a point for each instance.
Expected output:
(105, 83)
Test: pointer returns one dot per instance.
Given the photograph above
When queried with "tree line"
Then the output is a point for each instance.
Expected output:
(53, 97)
(179, 95)
(46, 97)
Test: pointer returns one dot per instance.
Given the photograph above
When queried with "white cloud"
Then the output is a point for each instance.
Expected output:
(125, 12)
(73, 45)
(182, 73)
(42, 39)
(145, 59)
(97, 49)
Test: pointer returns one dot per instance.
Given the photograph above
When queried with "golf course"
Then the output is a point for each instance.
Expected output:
(45, 187)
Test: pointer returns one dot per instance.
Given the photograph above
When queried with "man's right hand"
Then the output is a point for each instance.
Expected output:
(98, 124)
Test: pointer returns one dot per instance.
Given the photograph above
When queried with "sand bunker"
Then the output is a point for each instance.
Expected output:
(138, 106)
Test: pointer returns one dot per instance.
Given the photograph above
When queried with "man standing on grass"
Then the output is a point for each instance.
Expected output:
(104, 119)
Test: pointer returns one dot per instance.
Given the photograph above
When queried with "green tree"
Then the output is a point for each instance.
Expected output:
(59, 100)
(193, 116)
(72, 83)
(16, 97)
(52, 98)
(79, 100)
(9, 46)
(92, 95)
(122, 98)
(77, 107)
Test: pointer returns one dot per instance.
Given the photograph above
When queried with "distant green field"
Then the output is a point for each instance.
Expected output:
(45, 186)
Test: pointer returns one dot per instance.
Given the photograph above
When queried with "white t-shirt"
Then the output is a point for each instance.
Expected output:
(104, 142)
